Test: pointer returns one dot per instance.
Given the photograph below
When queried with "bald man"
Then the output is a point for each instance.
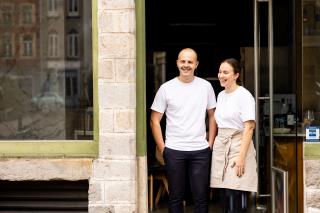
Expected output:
(186, 99)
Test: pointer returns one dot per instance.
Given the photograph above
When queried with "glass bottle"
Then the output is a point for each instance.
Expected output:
(290, 116)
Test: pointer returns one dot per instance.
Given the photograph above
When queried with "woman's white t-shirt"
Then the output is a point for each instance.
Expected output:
(185, 106)
(234, 108)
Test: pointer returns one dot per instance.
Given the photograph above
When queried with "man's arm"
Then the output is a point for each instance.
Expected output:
(212, 127)
(156, 129)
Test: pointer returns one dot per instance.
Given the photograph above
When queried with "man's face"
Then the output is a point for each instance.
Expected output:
(187, 63)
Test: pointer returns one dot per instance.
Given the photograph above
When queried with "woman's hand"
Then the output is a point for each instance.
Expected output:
(239, 166)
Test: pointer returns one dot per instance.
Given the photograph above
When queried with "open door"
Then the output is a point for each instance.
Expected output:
(275, 93)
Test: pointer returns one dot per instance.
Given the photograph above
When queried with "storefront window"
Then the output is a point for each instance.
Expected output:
(311, 63)
(44, 93)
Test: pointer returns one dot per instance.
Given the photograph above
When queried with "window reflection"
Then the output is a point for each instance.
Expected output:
(73, 43)
(27, 13)
(6, 14)
(27, 46)
(7, 46)
(73, 8)
(53, 45)
(311, 65)
(45, 70)
(52, 8)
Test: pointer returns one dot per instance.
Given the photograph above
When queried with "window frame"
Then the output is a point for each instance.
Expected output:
(73, 44)
(9, 11)
(30, 20)
(53, 45)
(64, 148)
(27, 48)
(71, 8)
(3, 43)
(52, 8)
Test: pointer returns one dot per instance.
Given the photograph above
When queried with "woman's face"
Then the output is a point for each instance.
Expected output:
(226, 75)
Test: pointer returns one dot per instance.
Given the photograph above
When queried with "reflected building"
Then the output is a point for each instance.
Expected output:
(46, 67)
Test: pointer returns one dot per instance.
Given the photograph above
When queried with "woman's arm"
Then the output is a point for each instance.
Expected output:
(245, 142)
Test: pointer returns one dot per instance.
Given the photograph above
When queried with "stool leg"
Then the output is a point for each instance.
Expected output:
(161, 189)
(165, 182)
(151, 192)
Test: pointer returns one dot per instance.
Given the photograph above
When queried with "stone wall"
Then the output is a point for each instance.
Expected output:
(113, 183)
(39, 169)
(312, 186)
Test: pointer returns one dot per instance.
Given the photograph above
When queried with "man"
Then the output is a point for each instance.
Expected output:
(186, 151)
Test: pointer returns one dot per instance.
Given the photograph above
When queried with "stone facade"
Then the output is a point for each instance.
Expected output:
(113, 175)
(312, 186)
(113, 184)
(117, 176)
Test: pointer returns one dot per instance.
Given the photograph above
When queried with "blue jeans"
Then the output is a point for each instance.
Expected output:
(195, 164)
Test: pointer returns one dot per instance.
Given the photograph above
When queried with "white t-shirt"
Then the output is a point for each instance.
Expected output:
(234, 108)
(185, 106)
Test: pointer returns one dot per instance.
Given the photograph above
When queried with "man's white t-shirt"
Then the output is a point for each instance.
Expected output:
(234, 108)
(185, 106)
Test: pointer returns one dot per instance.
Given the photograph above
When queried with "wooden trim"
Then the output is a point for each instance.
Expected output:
(141, 79)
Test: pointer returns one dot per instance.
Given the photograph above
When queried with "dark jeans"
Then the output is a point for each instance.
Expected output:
(234, 201)
(195, 164)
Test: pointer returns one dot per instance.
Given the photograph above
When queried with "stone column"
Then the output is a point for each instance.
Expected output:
(113, 184)
(312, 186)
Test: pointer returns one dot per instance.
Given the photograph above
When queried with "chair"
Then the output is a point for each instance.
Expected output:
(157, 172)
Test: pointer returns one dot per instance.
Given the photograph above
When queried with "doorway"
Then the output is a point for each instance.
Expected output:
(225, 29)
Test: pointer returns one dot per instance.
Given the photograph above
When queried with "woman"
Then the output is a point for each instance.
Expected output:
(234, 156)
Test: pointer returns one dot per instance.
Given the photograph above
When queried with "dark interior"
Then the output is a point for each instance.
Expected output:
(217, 30)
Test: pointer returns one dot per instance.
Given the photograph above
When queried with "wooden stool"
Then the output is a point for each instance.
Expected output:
(163, 186)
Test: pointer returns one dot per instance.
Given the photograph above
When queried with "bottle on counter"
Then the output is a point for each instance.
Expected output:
(291, 120)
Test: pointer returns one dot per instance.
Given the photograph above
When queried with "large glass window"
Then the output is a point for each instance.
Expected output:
(44, 94)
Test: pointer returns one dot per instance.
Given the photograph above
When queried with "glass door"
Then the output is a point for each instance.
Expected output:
(276, 134)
